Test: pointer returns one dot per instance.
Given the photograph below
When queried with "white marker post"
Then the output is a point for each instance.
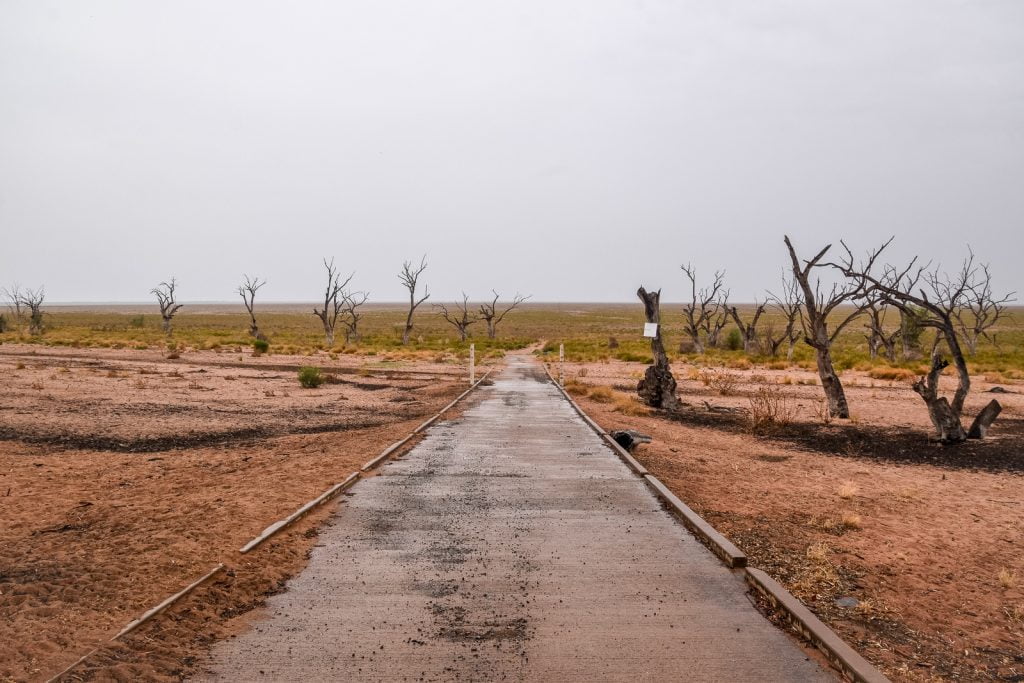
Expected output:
(472, 362)
(561, 359)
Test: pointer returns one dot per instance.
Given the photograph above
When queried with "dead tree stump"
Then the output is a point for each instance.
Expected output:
(984, 420)
(658, 387)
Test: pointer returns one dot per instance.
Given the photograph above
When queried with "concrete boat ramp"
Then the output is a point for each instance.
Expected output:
(510, 544)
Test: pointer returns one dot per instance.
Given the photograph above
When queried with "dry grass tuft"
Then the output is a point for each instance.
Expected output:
(602, 395)
(818, 552)
(848, 490)
(629, 405)
(896, 374)
(851, 520)
(19, 366)
(576, 388)
(1007, 578)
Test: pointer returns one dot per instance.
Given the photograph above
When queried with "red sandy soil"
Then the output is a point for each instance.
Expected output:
(937, 525)
(125, 476)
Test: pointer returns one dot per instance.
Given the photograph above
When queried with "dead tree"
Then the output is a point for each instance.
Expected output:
(490, 314)
(658, 387)
(333, 302)
(877, 335)
(748, 331)
(459, 317)
(410, 277)
(789, 304)
(30, 302)
(980, 309)
(704, 306)
(350, 315)
(165, 297)
(934, 297)
(719, 320)
(13, 296)
(818, 306)
(247, 290)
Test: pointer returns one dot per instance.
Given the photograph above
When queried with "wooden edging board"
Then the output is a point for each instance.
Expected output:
(301, 512)
(732, 556)
(144, 617)
(838, 652)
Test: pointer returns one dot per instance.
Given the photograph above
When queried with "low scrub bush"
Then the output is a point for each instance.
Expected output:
(260, 347)
(769, 410)
(310, 377)
(602, 394)
(725, 383)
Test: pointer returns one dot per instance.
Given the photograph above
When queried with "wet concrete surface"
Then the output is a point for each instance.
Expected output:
(511, 544)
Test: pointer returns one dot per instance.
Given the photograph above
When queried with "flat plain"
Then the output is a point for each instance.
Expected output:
(130, 465)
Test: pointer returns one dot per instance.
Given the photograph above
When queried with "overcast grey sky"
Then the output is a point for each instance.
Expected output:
(568, 149)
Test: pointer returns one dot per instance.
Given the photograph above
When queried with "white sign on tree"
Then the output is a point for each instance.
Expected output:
(651, 330)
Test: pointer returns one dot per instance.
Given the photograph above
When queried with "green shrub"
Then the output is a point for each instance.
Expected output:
(734, 340)
(138, 321)
(3, 323)
(310, 377)
(260, 347)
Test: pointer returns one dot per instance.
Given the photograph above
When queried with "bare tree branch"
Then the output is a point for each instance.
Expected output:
(707, 313)
(410, 277)
(492, 316)
(247, 290)
(459, 317)
(333, 303)
(165, 297)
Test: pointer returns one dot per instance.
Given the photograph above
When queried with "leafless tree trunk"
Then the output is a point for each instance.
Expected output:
(490, 314)
(718, 322)
(333, 302)
(817, 307)
(410, 277)
(30, 302)
(704, 305)
(458, 317)
(877, 335)
(658, 387)
(247, 290)
(164, 293)
(748, 331)
(938, 298)
(980, 310)
(789, 304)
(351, 315)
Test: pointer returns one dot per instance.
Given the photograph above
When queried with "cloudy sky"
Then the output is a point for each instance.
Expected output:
(572, 149)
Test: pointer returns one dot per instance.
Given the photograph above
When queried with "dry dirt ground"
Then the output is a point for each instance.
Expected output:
(926, 539)
(124, 476)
